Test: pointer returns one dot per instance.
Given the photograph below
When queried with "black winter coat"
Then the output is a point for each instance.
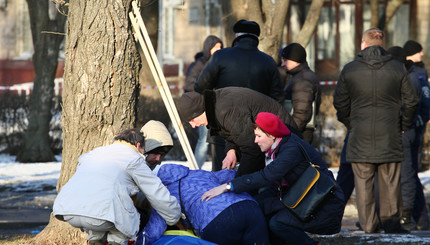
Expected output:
(302, 89)
(376, 100)
(288, 165)
(242, 66)
(231, 114)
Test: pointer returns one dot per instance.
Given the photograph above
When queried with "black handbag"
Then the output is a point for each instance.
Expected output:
(310, 189)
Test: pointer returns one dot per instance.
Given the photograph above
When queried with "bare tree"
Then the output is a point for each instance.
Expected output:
(48, 34)
(311, 23)
(100, 90)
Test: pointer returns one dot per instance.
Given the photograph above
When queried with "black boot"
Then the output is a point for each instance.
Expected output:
(393, 226)
(406, 220)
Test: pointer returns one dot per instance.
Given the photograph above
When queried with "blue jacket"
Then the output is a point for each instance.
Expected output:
(288, 165)
(193, 184)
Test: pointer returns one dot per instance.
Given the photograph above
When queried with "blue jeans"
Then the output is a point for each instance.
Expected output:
(201, 150)
(241, 223)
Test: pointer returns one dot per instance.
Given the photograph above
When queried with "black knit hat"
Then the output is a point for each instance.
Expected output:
(247, 27)
(412, 47)
(398, 53)
(294, 52)
(191, 105)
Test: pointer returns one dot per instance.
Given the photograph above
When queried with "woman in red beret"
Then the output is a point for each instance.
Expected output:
(285, 162)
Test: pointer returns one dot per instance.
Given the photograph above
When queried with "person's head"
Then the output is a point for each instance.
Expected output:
(293, 55)
(211, 45)
(398, 53)
(267, 128)
(413, 51)
(134, 137)
(192, 109)
(158, 142)
(372, 37)
(245, 28)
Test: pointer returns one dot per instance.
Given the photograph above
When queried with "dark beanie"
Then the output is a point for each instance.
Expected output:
(398, 53)
(249, 27)
(412, 47)
(294, 52)
(191, 105)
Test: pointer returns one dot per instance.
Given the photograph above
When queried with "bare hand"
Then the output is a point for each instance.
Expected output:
(180, 225)
(230, 160)
(216, 191)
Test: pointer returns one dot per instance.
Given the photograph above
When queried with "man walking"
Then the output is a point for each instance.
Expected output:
(376, 101)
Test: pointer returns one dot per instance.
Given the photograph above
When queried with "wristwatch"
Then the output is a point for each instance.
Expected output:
(228, 186)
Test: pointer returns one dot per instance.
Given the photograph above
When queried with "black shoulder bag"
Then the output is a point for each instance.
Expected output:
(310, 189)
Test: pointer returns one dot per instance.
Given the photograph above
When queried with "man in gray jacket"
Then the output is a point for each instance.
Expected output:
(98, 197)
(376, 101)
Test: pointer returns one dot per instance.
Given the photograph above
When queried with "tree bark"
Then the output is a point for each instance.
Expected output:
(311, 23)
(100, 90)
(268, 14)
(47, 36)
(374, 12)
(391, 9)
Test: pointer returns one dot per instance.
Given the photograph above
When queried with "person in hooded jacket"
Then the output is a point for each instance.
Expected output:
(376, 101)
(211, 45)
(303, 92)
(230, 219)
(230, 113)
(285, 162)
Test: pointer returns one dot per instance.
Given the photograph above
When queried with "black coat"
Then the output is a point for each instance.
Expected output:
(288, 165)
(302, 89)
(376, 100)
(231, 114)
(242, 66)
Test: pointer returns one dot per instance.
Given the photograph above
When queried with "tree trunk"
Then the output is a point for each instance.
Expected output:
(311, 23)
(374, 13)
(36, 145)
(100, 90)
(270, 16)
(391, 9)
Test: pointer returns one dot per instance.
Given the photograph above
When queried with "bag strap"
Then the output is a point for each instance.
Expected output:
(305, 154)
(183, 209)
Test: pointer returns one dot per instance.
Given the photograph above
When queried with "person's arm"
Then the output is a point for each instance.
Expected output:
(342, 101)
(410, 102)
(157, 194)
(276, 86)
(302, 97)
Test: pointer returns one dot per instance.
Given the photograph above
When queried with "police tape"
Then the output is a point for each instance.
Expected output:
(29, 86)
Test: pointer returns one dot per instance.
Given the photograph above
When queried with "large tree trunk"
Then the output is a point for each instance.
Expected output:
(100, 90)
(268, 14)
(311, 23)
(391, 9)
(374, 13)
(47, 36)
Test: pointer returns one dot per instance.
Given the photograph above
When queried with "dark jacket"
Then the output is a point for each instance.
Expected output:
(419, 77)
(242, 66)
(288, 165)
(197, 66)
(376, 100)
(231, 114)
(302, 89)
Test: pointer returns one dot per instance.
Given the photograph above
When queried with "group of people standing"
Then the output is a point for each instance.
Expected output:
(261, 131)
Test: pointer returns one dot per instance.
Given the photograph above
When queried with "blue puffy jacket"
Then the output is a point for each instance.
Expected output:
(193, 184)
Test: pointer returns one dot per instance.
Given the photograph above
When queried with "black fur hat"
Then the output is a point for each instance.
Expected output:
(247, 27)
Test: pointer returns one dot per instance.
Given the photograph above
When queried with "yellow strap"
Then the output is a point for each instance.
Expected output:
(180, 233)
(307, 189)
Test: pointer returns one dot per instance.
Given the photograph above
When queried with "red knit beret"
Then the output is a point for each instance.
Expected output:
(272, 124)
